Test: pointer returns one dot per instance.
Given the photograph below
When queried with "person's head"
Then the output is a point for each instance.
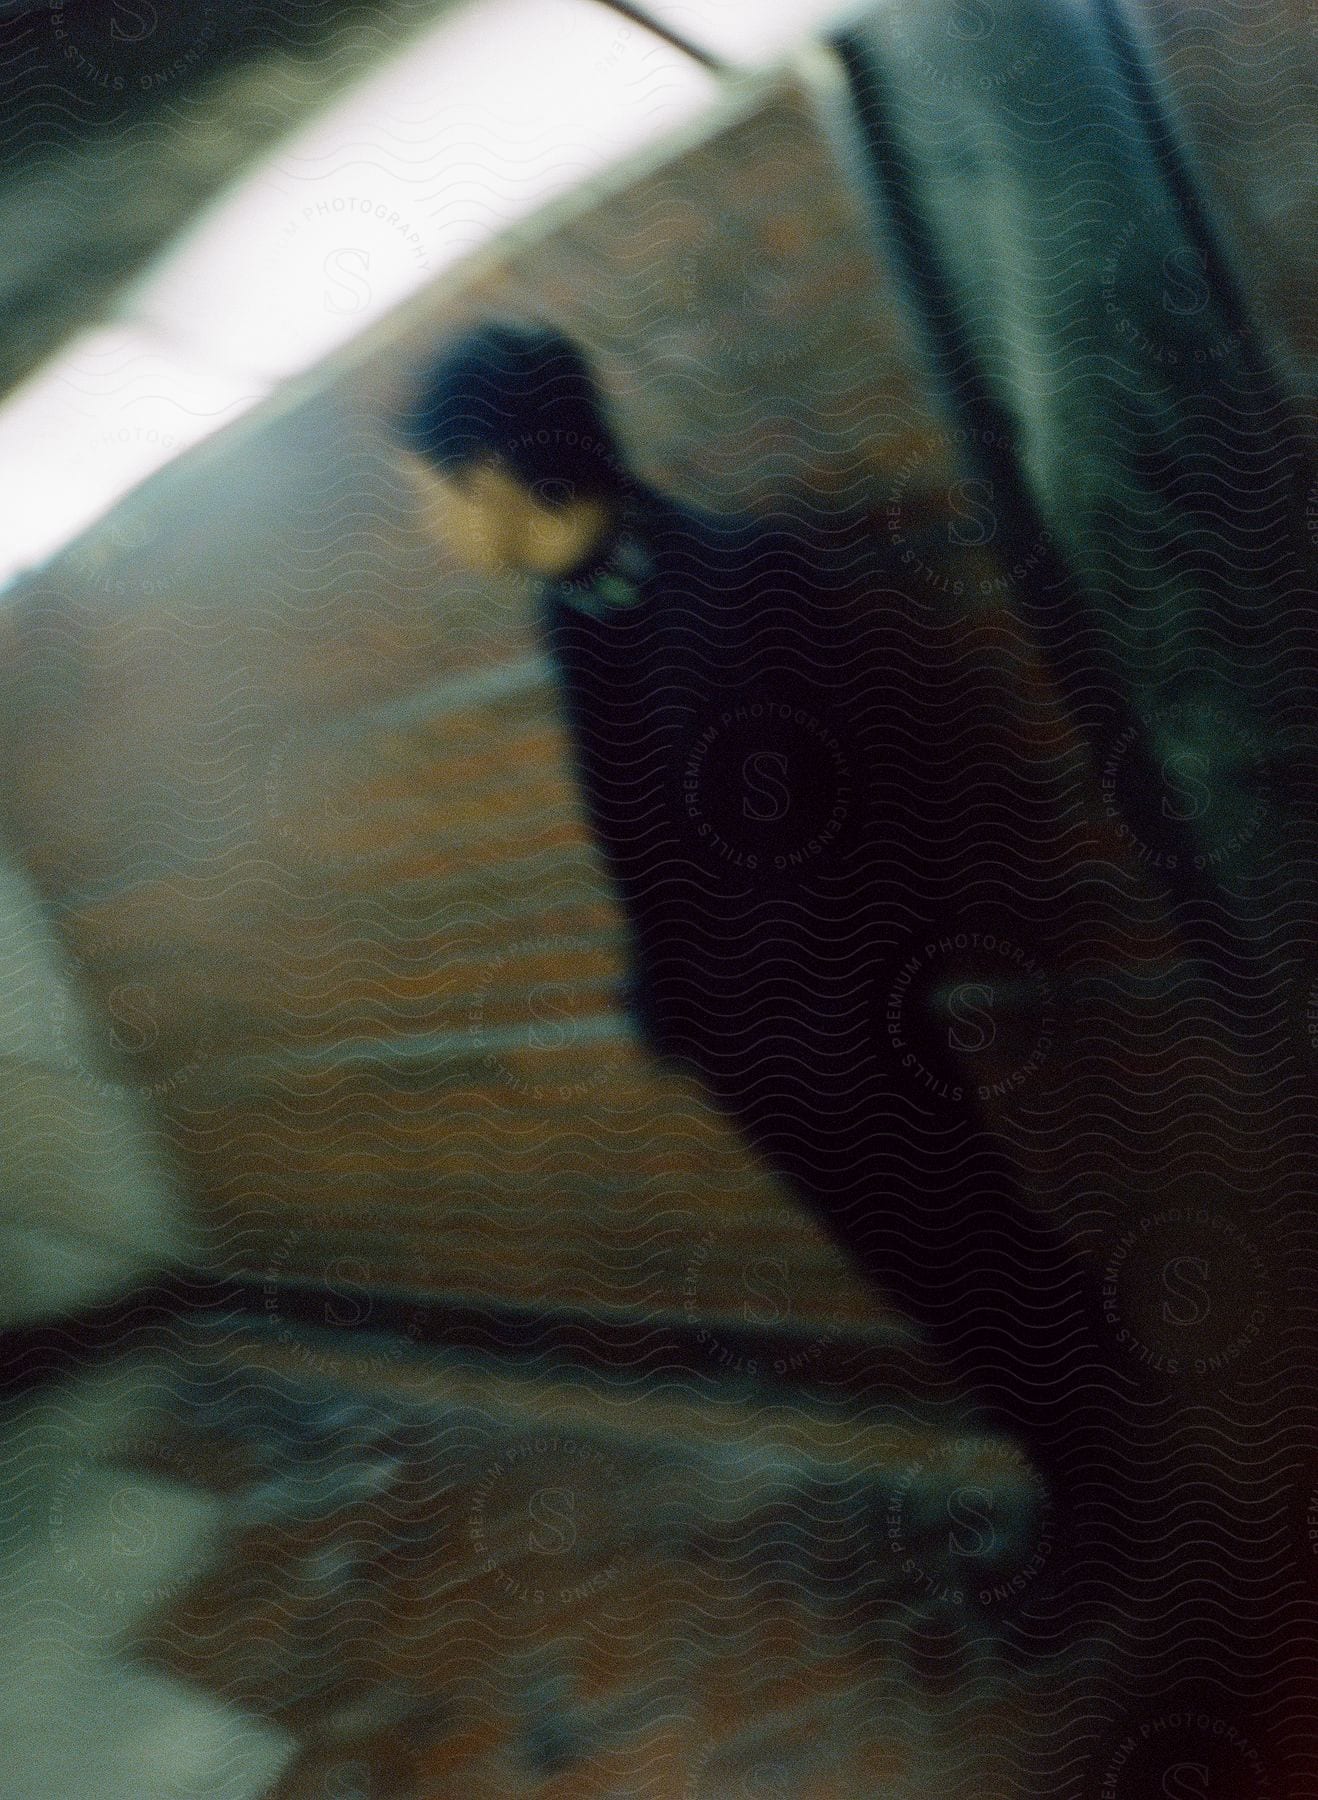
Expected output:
(514, 460)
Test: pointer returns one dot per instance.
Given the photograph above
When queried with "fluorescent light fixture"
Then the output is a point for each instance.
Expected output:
(502, 109)
(112, 409)
(746, 33)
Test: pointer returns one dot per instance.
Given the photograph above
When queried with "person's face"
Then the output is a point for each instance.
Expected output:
(493, 523)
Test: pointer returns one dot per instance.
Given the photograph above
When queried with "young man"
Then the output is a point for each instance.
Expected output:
(782, 757)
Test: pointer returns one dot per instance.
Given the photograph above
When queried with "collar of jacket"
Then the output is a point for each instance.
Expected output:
(617, 574)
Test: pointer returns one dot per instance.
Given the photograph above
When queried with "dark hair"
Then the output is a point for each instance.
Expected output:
(525, 396)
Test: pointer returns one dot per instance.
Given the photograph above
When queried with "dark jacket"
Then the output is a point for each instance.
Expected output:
(728, 731)
(781, 753)
(809, 793)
